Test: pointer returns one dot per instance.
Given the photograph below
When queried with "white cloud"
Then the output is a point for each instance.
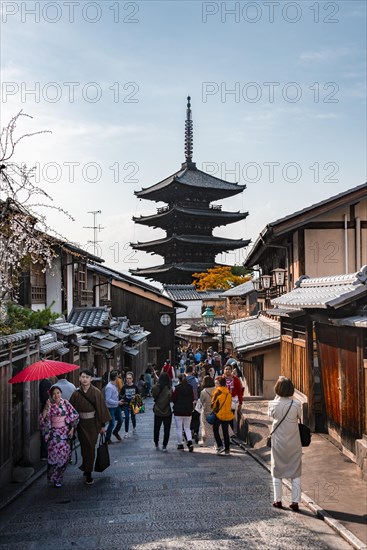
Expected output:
(324, 54)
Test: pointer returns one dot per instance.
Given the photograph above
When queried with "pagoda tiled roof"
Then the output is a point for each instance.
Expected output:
(177, 273)
(191, 177)
(169, 268)
(207, 240)
(218, 216)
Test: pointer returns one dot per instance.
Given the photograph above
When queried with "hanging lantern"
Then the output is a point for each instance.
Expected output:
(266, 281)
(279, 276)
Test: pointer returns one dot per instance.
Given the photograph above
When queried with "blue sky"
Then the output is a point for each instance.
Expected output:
(293, 129)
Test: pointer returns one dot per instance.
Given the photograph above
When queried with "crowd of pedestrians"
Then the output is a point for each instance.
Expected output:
(203, 396)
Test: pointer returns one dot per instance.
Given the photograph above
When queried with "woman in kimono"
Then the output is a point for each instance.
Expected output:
(57, 421)
(286, 448)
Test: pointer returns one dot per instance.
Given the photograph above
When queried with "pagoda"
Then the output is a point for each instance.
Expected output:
(188, 219)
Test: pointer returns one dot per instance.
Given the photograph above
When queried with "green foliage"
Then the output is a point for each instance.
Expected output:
(240, 270)
(23, 318)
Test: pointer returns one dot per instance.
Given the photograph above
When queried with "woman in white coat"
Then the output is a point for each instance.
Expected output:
(286, 449)
(207, 436)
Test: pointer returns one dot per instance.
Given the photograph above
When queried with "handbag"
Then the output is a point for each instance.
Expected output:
(268, 441)
(198, 406)
(103, 456)
(211, 418)
(305, 434)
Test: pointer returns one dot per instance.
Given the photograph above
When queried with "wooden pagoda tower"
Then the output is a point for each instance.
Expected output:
(188, 219)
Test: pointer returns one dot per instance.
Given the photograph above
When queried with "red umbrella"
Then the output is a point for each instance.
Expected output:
(42, 369)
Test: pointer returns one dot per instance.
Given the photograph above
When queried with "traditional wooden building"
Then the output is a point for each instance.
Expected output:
(188, 219)
(324, 352)
(19, 403)
(255, 342)
(196, 301)
(327, 238)
(64, 284)
(240, 301)
(143, 304)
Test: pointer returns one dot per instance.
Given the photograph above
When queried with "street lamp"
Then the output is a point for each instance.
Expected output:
(257, 284)
(208, 317)
(266, 281)
(279, 276)
(223, 330)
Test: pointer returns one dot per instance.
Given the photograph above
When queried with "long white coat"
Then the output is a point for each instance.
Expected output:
(286, 448)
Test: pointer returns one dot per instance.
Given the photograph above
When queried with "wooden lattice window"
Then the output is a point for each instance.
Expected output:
(38, 284)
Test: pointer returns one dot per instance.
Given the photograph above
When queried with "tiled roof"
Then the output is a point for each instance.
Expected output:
(359, 321)
(324, 292)
(301, 217)
(283, 312)
(208, 240)
(254, 332)
(321, 203)
(90, 317)
(30, 334)
(130, 351)
(189, 292)
(139, 336)
(239, 290)
(104, 344)
(65, 329)
(113, 274)
(171, 268)
(222, 217)
(192, 178)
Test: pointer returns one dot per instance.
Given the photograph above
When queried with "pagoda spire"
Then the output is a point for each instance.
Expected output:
(189, 135)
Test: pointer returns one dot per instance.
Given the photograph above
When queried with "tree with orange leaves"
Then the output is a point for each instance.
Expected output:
(219, 277)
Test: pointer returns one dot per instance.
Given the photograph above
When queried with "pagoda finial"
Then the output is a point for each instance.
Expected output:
(189, 138)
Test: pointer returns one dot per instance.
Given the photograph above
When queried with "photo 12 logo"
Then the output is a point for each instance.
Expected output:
(270, 12)
(90, 172)
(53, 92)
(53, 12)
(270, 92)
(272, 171)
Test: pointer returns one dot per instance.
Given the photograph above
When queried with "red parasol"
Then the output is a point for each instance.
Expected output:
(42, 369)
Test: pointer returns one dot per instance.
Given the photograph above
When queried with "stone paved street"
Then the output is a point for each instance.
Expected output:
(148, 500)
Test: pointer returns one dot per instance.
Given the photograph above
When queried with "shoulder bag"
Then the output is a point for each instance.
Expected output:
(212, 416)
(268, 441)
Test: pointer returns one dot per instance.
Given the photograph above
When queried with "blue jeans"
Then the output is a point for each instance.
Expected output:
(128, 412)
(116, 415)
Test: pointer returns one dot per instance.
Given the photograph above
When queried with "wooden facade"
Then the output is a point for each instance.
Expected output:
(342, 351)
(19, 404)
(296, 361)
(324, 352)
(146, 308)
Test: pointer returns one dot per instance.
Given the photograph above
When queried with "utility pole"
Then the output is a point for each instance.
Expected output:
(95, 228)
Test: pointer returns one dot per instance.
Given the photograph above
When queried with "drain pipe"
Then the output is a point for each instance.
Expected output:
(358, 244)
(346, 242)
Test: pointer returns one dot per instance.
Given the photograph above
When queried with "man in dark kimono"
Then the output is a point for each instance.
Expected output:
(93, 414)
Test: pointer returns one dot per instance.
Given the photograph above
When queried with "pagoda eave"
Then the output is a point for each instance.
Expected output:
(217, 217)
(215, 244)
(180, 273)
(190, 180)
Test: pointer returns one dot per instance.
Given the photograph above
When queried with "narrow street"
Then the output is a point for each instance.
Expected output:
(150, 500)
